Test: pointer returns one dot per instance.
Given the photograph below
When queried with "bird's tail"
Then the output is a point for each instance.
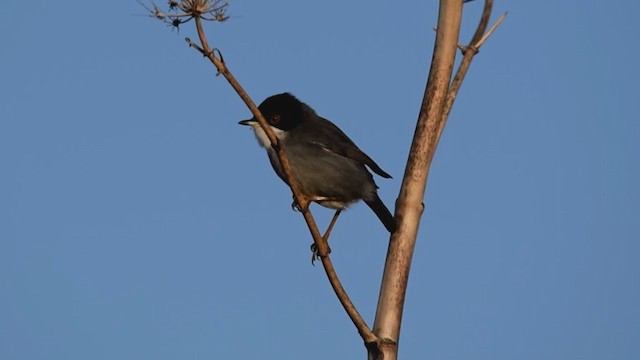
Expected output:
(382, 212)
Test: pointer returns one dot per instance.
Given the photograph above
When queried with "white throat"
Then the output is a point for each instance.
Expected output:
(262, 136)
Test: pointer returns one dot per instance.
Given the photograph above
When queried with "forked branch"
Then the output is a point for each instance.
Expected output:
(438, 99)
(468, 52)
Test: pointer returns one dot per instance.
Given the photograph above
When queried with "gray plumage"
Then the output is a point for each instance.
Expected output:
(327, 165)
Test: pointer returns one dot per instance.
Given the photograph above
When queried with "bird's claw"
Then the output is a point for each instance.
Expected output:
(295, 206)
(315, 253)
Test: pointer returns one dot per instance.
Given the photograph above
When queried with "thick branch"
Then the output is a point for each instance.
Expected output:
(409, 206)
(438, 100)
(437, 103)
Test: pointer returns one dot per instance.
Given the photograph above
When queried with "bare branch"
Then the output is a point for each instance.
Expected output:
(364, 330)
(469, 52)
(438, 100)
(198, 9)
(491, 30)
(409, 205)
(439, 97)
(484, 21)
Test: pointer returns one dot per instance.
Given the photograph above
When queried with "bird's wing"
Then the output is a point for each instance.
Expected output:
(331, 138)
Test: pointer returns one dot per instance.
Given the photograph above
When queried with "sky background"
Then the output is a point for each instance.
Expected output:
(139, 221)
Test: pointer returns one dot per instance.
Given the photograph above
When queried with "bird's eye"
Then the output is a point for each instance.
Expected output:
(274, 119)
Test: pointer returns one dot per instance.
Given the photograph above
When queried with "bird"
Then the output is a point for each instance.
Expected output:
(328, 166)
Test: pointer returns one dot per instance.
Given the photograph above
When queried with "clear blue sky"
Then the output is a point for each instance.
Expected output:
(139, 221)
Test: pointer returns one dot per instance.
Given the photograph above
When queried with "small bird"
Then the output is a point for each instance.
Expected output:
(328, 167)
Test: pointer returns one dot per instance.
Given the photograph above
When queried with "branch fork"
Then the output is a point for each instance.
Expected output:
(382, 342)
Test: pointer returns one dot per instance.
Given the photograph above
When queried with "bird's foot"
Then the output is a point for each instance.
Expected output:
(315, 253)
(295, 206)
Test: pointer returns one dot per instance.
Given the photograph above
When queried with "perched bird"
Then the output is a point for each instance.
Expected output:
(327, 165)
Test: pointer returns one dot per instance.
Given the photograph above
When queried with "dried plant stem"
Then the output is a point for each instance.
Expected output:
(469, 52)
(302, 201)
(438, 99)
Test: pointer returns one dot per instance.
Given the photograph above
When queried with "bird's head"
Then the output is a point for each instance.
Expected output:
(283, 113)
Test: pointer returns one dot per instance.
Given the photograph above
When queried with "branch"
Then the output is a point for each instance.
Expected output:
(436, 106)
(303, 202)
(409, 206)
(196, 9)
(469, 51)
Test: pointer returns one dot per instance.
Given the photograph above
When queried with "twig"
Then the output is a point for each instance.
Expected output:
(491, 30)
(469, 51)
(322, 246)
(363, 329)
(195, 46)
(197, 8)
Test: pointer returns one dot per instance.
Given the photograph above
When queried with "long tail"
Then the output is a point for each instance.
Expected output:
(382, 212)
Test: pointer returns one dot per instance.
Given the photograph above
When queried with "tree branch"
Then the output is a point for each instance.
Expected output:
(468, 52)
(196, 9)
(438, 99)
(302, 201)
(409, 206)
(439, 96)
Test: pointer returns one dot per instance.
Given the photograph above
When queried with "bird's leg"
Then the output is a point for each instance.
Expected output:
(325, 237)
(330, 227)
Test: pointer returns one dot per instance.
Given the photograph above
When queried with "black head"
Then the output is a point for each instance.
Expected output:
(283, 111)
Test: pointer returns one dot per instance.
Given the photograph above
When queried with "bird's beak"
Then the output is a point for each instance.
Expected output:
(248, 122)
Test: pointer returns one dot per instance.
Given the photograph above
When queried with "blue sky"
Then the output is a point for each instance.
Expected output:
(139, 221)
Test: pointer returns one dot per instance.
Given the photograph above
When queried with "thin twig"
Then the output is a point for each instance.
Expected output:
(484, 21)
(479, 38)
(303, 202)
(491, 30)
(363, 329)
(275, 143)
(194, 45)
